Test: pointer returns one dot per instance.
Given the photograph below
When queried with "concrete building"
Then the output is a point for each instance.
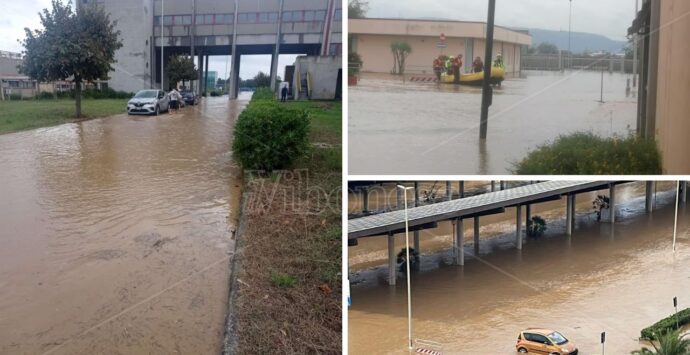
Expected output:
(372, 37)
(203, 28)
(317, 78)
(13, 84)
(663, 106)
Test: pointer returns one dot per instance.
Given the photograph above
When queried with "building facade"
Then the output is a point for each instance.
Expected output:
(662, 28)
(201, 28)
(371, 39)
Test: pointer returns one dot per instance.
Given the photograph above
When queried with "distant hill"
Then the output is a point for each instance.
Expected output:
(580, 42)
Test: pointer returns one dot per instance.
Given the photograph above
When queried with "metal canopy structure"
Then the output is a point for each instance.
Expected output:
(495, 202)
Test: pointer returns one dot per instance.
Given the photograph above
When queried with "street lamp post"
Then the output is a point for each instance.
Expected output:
(407, 261)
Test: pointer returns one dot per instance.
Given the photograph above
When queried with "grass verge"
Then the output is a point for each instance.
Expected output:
(28, 114)
(286, 298)
(584, 153)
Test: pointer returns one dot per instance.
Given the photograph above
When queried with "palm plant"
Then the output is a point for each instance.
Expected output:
(401, 50)
(670, 343)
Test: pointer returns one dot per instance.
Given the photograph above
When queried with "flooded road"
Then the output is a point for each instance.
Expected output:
(414, 128)
(117, 233)
(617, 279)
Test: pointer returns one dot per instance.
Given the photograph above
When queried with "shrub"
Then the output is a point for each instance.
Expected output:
(44, 95)
(269, 136)
(666, 325)
(354, 61)
(587, 154)
(282, 280)
(536, 227)
(263, 93)
(215, 93)
(15, 96)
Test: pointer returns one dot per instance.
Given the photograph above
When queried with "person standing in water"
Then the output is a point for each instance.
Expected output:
(283, 93)
(457, 64)
(478, 65)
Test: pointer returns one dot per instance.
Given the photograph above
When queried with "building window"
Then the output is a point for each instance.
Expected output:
(249, 17)
(167, 20)
(338, 16)
(320, 15)
(287, 16)
(182, 20)
(309, 15)
(208, 19)
(272, 17)
(297, 16)
(263, 17)
(225, 19)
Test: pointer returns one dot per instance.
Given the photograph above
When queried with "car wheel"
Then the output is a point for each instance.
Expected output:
(554, 354)
(522, 351)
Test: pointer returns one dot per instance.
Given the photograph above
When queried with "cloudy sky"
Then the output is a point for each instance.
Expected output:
(610, 18)
(18, 14)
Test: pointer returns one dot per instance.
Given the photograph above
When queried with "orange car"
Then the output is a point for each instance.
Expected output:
(544, 341)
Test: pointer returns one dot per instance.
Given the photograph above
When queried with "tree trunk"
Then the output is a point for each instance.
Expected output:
(77, 96)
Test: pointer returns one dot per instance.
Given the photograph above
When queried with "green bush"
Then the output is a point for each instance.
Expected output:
(536, 227)
(666, 325)
(587, 154)
(106, 93)
(215, 93)
(44, 95)
(15, 96)
(282, 280)
(263, 93)
(270, 136)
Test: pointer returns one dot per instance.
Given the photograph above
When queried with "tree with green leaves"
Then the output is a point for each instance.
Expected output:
(357, 8)
(401, 50)
(262, 80)
(547, 48)
(78, 46)
(181, 68)
(670, 343)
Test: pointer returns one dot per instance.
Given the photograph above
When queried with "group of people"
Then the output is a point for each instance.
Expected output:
(453, 65)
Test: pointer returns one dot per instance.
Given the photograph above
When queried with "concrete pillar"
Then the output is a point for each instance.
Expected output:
(200, 60)
(493, 185)
(569, 215)
(612, 202)
(573, 211)
(206, 75)
(392, 267)
(449, 191)
(683, 191)
(476, 235)
(518, 227)
(365, 200)
(276, 49)
(459, 242)
(235, 64)
(400, 203)
(462, 189)
(502, 185)
(528, 213)
(649, 196)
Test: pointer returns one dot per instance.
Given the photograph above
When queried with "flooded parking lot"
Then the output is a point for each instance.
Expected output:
(117, 233)
(409, 127)
(615, 278)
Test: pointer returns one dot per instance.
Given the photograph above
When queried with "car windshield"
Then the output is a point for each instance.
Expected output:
(557, 338)
(146, 94)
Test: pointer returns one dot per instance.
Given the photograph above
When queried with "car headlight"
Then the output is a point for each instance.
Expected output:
(565, 351)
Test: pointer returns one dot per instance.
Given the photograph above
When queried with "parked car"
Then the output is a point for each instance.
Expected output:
(148, 102)
(544, 341)
(190, 97)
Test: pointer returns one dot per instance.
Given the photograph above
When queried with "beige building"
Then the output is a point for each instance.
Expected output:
(371, 38)
(664, 105)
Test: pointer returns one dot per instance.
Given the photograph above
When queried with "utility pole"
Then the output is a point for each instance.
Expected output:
(637, 6)
(570, 35)
(162, 42)
(487, 90)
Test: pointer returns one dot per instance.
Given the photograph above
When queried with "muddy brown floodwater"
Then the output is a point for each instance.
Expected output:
(412, 128)
(617, 279)
(117, 233)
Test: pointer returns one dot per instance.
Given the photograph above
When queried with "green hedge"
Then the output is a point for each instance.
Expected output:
(106, 93)
(263, 93)
(666, 325)
(270, 136)
(587, 154)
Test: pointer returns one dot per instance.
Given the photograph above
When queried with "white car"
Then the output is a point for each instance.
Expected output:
(148, 102)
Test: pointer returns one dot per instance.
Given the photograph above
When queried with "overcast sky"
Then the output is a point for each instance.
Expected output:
(610, 18)
(18, 14)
